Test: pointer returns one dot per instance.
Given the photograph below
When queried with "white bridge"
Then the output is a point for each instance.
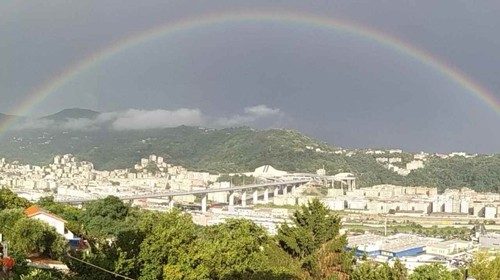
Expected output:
(277, 186)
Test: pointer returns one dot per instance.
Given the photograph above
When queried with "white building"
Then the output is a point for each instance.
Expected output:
(268, 171)
(35, 212)
(449, 247)
(490, 211)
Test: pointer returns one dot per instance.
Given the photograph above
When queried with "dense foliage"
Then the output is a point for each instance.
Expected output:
(236, 180)
(376, 271)
(151, 245)
(9, 200)
(481, 173)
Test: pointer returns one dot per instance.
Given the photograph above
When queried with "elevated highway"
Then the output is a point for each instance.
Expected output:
(275, 186)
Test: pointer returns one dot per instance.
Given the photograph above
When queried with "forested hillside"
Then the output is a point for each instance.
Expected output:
(239, 149)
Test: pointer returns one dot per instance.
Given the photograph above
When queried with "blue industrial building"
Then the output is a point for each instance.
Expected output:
(404, 252)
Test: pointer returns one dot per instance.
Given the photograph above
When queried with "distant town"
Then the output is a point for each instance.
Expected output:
(415, 224)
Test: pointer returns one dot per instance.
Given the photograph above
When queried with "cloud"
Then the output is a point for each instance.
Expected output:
(142, 119)
(33, 124)
(68, 124)
(262, 111)
(79, 124)
(133, 119)
(251, 115)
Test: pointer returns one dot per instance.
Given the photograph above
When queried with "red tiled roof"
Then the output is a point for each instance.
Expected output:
(32, 210)
(35, 210)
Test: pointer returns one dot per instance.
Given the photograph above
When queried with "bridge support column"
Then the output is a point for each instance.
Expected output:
(244, 199)
(266, 196)
(294, 189)
(276, 189)
(204, 203)
(255, 197)
(171, 203)
(285, 190)
(231, 198)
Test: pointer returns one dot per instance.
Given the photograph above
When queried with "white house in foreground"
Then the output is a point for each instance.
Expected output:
(35, 212)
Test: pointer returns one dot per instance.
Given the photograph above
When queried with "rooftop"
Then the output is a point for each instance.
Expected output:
(36, 210)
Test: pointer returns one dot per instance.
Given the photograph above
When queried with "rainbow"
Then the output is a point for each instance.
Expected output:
(38, 94)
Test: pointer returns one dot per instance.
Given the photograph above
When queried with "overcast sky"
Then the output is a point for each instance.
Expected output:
(340, 88)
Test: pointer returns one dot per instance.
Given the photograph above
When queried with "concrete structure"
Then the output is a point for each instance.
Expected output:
(448, 206)
(449, 248)
(346, 180)
(464, 206)
(337, 204)
(490, 211)
(490, 241)
(268, 171)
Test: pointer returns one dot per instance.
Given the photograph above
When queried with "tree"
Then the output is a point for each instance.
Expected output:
(236, 249)
(9, 200)
(8, 219)
(399, 271)
(30, 236)
(431, 272)
(373, 271)
(485, 267)
(168, 240)
(110, 207)
(105, 217)
(314, 227)
(331, 260)
(41, 274)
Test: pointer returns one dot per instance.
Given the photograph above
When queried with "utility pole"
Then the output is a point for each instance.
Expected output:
(385, 226)
(4, 247)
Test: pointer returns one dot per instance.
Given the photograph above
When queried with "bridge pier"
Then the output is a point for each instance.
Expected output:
(171, 203)
(266, 196)
(255, 197)
(294, 189)
(244, 199)
(231, 198)
(285, 190)
(204, 203)
(276, 190)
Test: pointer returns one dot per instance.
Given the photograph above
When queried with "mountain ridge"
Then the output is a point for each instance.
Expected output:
(72, 113)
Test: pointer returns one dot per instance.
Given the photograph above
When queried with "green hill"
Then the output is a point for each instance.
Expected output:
(73, 113)
(239, 150)
(5, 117)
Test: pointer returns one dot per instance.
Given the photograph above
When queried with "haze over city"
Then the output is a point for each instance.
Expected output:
(335, 85)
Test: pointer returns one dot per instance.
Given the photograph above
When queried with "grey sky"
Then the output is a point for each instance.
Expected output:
(340, 88)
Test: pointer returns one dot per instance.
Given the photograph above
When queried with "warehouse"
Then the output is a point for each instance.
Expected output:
(394, 246)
